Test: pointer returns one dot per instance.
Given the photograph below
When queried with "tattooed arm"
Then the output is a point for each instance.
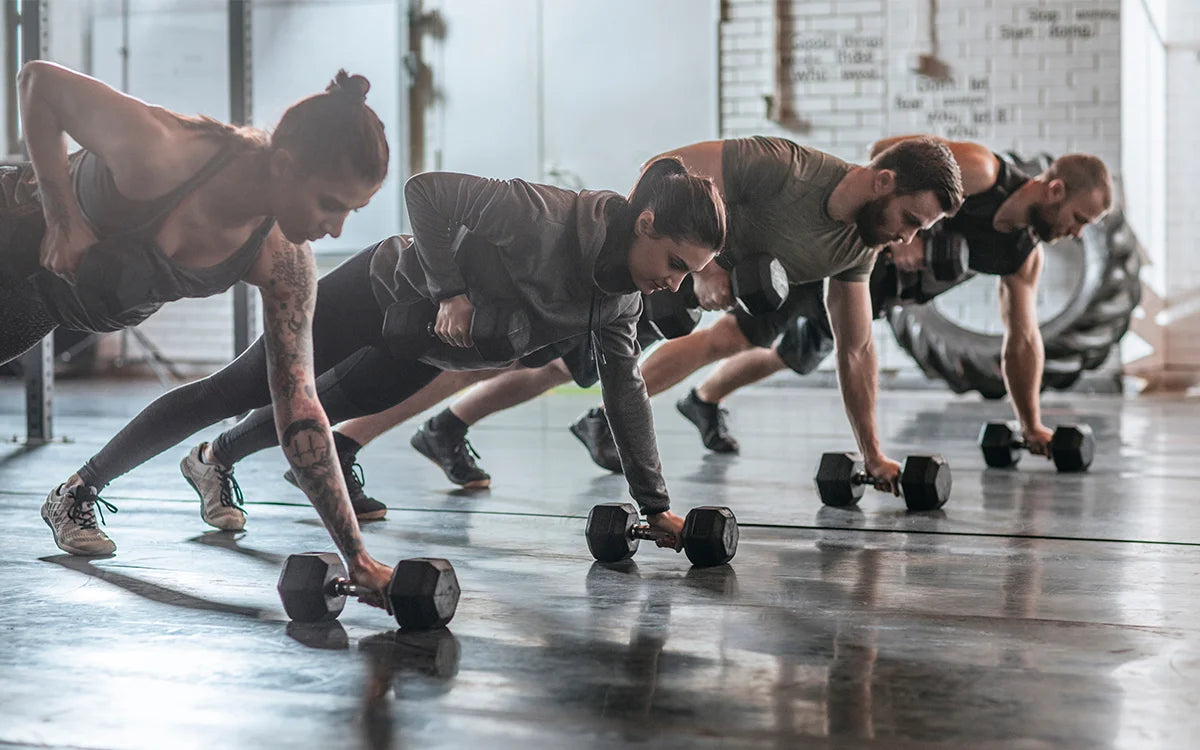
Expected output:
(287, 276)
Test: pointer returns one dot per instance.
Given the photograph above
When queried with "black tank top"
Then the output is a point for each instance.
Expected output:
(990, 251)
(125, 277)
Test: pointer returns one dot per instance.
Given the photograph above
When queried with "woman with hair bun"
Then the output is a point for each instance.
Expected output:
(157, 206)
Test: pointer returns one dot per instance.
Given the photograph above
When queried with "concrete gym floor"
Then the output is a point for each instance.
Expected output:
(1035, 611)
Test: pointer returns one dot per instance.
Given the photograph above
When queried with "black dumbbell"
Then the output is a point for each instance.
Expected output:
(1071, 447)
(499, 332)
(710, 533)
(947, 255)
(422, 594)
(673, 314)
(924, 481)
(758, 282)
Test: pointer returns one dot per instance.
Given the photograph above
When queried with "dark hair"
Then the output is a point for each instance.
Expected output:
(685, 206)
(922, 164)
(335, 131)
(1080, 173)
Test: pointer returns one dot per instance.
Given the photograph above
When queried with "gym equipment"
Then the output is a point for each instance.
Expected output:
(758, 282)
(499, 333)
(422, 594)
(924, 481)
(710, 533)
(947, 255)
(1071, 448)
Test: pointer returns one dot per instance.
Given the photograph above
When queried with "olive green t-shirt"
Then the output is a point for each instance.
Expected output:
(777, 198)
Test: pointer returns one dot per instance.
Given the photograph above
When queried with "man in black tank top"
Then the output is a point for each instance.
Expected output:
(1005, 219)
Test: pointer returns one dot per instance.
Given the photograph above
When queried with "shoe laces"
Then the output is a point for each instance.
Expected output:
(231, 492)
(86, 503)
(355, 475)
(465, 451)
(722, 428)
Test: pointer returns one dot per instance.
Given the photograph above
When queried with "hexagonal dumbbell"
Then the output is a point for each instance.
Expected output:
(1071, 447)
(758, 282)
(710, 533)
(422, 593)
(947, 255)
(499, 332)
(924, 481)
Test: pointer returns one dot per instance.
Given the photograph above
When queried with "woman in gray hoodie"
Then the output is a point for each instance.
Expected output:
(573, 263)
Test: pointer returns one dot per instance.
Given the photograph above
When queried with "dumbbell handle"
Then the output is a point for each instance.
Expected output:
(346, 587)
(861, 477)
(644, 531)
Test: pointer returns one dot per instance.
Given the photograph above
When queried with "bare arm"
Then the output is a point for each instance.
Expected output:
(128, 134)
(1023, 356)
(287, 275)
(849, 305)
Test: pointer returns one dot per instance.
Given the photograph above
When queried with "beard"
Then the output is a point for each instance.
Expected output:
(870, 222)
(1040, 225)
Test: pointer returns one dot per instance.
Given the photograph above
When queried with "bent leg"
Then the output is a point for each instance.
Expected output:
(738, 371)
(675, 359)
(367, 382)
(363, 430)
(507, 390)
(346, 319)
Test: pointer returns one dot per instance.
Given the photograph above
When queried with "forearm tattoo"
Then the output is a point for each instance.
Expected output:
(54, 207)
(289, 301)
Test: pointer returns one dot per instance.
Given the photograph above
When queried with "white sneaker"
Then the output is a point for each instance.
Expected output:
(220, 496)
(71, 515)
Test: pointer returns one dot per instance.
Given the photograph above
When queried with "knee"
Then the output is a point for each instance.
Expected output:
(555, 373)
(725, 338)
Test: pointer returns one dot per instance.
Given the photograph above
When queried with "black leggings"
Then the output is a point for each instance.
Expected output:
(24, 320)
(357, 376)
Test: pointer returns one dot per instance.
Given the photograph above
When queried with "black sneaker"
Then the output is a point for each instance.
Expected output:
(710, 420)
(593, 431)
(453, 454)
(365, 507)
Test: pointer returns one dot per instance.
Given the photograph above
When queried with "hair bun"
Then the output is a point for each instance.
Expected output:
(351, 86)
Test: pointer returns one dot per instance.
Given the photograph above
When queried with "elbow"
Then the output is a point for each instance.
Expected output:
(416, 186)
(32, 75)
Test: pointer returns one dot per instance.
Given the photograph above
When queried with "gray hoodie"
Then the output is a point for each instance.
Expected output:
(562, 256)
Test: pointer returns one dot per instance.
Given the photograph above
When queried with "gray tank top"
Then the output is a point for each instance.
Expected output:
(125, 277)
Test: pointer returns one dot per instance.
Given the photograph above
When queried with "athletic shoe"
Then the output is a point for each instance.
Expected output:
(593, 431)
(453, 453)
(71, 515)
(220, 495)
(710, 420)
(365, 507)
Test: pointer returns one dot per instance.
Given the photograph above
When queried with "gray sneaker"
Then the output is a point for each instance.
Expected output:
(220, 496)
(71, 515)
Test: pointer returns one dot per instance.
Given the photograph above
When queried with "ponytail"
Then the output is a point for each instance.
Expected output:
(685, 206)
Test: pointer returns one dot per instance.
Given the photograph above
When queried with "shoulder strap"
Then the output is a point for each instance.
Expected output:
(167, 203)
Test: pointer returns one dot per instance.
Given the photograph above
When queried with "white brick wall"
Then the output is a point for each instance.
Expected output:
(1029, 76)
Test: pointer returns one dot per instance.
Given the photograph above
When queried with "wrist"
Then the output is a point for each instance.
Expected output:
(872, 453)
(360, 561)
